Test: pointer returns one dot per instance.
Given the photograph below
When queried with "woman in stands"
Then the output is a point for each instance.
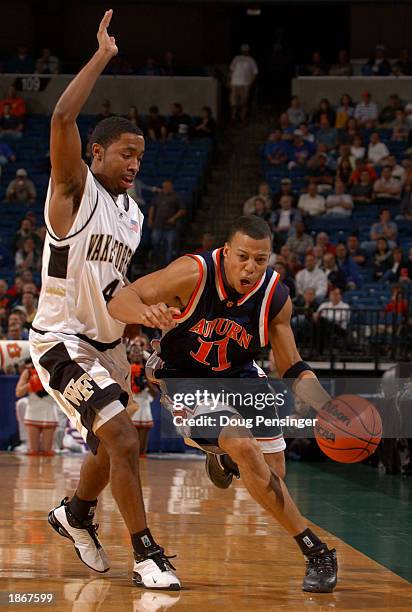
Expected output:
(382, 259)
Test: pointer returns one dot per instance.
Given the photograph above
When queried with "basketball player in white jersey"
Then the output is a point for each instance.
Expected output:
(93, 229)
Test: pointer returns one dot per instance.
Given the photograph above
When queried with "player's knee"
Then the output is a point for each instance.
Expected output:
(120, 438)
(243, 450)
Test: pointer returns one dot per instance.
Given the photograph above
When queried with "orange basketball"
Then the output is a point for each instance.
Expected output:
(348, 429)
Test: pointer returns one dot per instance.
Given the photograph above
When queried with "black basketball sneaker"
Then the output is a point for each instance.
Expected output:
(221, 469)
(321, 572)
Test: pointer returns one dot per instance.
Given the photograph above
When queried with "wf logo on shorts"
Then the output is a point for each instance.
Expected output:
(79, 390)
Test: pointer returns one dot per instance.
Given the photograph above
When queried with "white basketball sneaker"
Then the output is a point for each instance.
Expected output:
(82, 534)
(155, 572)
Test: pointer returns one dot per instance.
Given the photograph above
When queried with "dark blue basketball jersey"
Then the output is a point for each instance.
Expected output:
(220, 332)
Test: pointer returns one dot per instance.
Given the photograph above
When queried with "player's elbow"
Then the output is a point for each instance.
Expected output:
(62, 116)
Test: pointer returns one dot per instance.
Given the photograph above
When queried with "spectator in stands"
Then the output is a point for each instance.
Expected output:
(15, 102)
(302, 320)
(377, 150)
(15, 332)
(398, 303)
(300, 151)
(344, 171)
(398, 171)
(401, 269)
(322, 239)
(311, 276)
(21, 189)
(345, 152)
(286, 278)
(26, 230)
(343, 67)
(384, 228)
(405, 210)
(295, 112)
(322, 175)
(316, 66)
(324, 108)
(133, 117)
(382, 259)
(29, 304)
(307, 135)
(388, 113)
(339, 203)
(243, 72)
(17, 318)
(276, 150)
(408, 114)
(377, 65)
(345, 263)
(47, 63)
(28, 257)
(283, 219)
(401, 127)
(332, 317)
(168, 67)
(21, 63)
(105, 113)
(311, 203)
(119, 65)
(207, 244)
(4, 298)
(351, 130)
(403, 66)
(156, 125)
(285, 189)
(6, 154)
(386, 188)
(261, 210)
(318, 252)
(300, 242)
(149, 68)
(357, 147)
(354, 250)
(286, 127)
(362, 166)
(366, 110)
(344, 111)
(11, 128)
(326, 134)
(322, 151)
(179, 124)
(336, 277)
(205, 126)
(264, 194)
(165, 210)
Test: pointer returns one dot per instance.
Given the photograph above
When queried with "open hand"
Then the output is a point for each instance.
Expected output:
(106, 43)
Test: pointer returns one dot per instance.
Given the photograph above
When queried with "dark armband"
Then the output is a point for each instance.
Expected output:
(296, 370)
(308, 389)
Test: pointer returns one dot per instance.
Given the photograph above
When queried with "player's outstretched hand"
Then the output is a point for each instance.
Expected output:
(160, 316)
(106, 43)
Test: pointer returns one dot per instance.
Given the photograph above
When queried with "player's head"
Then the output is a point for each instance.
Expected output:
(117, 149)
(247, 251)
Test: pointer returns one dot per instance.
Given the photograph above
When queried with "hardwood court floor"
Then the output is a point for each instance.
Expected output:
(231, 556)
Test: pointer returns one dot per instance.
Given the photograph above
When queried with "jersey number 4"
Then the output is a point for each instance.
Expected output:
(204, 352)
(110, 289)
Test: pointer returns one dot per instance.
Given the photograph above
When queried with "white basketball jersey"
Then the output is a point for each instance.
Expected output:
(83, 270)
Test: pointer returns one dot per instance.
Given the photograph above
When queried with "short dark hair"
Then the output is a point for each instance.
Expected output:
(252, 226)
(109, 130)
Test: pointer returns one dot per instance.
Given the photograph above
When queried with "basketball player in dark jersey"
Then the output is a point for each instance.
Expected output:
(230, 306)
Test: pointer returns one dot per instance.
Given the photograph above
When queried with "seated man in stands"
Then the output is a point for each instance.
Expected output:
(333, 318)
(366, 110)
(401, 269)
(339, 203)
(300, 151)
(336, 277)
(276, 151)
(322, 239)
(21, 189)
(302, 319)
(322, 174)
(26, 230)
(300, 242)
(283, 219)
(345, 263)
(362, 166)
(386, 188)
(354, 250)
(205, 126)
(295, 112)
(311, 276)
(285, 189)
(179, 124)
(264, 194)
(47, 63)
(362, 192)
(15, 102)
(311, 203)
(326, 134)
(165, 210)
(156, 125)
(343, 67)
(377, 150)
(11, 127)
(377, 64)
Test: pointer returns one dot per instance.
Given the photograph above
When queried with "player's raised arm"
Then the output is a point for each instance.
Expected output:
(154, 299)
(289, 363)
(68, 169)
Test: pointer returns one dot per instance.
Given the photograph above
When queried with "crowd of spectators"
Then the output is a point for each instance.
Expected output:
(376, 65)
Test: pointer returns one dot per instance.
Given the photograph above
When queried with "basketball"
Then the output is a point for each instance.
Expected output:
(348, 429)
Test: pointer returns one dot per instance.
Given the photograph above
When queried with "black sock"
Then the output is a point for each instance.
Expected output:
(82, 509)
(143, 543)
(309, 543)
